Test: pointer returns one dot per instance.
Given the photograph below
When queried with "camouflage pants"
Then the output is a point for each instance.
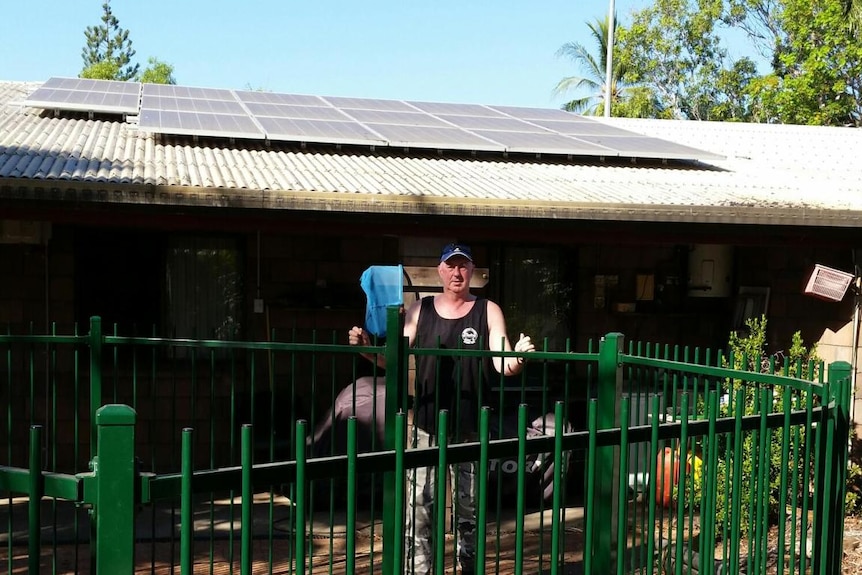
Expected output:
(421, 496)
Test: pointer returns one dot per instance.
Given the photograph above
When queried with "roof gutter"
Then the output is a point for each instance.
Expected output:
(99, 193)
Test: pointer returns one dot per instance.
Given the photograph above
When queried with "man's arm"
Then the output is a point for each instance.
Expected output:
(499, 341)
(358, 336)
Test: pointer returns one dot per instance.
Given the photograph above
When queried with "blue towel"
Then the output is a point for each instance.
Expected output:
(383, 287)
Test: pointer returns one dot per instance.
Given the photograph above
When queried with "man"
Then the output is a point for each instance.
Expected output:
(454, 319)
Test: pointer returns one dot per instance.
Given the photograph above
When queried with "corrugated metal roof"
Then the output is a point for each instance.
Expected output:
(772, 174)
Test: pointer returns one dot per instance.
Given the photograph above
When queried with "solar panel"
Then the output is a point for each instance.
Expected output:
(84, 95)
(455, 109)
(296, 112)
(299, 130)
(492, 123)
(545, 143)
(248, 97)
(584, 127)
(396, 118)
(172, 91)
(637, 146)
(197, 124)
(362, 121)
(151, 102)
(368, 104)
(195, 111)
(434, 138)
(539, 114)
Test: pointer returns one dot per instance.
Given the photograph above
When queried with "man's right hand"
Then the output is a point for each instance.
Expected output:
(358, 336)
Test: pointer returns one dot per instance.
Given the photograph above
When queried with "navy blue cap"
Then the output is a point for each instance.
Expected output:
(450, 250)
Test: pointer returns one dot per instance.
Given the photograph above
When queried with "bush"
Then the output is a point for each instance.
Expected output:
(747, 352)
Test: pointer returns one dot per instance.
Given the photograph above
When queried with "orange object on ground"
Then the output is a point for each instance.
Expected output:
(667, 475)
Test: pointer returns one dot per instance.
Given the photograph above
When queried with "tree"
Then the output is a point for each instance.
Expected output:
(674, 48)
(104, 70)
(817, 68)
(158, 72)
(853, 9)
(626, 100)
(108, 49)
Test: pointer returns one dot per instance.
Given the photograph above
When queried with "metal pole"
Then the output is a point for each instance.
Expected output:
(115, 490)
(609, 64)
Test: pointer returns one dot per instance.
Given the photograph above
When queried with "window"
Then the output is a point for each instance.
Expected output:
(203, 287)
(537, 295)
(118, 278)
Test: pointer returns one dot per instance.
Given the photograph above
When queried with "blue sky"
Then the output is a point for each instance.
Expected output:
(466, 51)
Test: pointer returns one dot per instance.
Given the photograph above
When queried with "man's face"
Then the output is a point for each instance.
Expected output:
(455, 273)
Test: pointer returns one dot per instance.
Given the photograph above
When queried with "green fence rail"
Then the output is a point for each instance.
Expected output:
(162, 455)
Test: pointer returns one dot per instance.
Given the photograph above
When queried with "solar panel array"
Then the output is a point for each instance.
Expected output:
(195, 112)
(80, 94)
(361, 121)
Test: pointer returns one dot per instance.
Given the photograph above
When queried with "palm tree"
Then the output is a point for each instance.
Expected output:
(594, 81)
(853, 9)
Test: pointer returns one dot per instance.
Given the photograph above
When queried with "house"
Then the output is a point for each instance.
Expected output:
(194, 234)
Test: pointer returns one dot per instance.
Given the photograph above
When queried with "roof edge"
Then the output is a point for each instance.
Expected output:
(83, 193)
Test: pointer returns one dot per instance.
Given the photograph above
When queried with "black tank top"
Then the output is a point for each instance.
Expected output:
(445, 382)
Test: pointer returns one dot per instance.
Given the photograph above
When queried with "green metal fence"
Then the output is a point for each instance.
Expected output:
(158, 455)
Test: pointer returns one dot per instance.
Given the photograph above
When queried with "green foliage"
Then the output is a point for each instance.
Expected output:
(627, 100)
(674, 47)
(158, 72)
(748, 352)
(677, 52)
(109, 47)
(108, 54)
(104, 70)
(817, 68)
(853, 497)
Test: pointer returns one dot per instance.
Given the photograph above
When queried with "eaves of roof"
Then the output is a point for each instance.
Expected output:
(57, 159)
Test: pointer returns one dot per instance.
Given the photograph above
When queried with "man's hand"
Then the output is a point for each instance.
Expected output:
(358, 336)
(524, 343)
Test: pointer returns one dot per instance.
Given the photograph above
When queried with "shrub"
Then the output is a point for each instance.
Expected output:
(748, 352)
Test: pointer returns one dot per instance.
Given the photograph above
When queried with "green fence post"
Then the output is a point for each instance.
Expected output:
(95, 379)
(34, 501)
(840, 378)
(114, 497)
(396, 384)
(610, 375)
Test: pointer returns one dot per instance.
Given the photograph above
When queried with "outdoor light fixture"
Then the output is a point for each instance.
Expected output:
(828, 283)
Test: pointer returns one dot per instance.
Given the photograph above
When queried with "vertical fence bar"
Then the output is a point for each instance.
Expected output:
(736, 498)
(559, 465)
(590, 519)
(398, 511)
(625, 418)
(34, 528)
(95, 379)
(350, 527)
(482, 488)
(247, 522)
(115, 490)
(520, 504)
(652, 483)
(440, 485)
(186, 513)
(299, 527)
(610, 383)
(823, 488)
(396, 358)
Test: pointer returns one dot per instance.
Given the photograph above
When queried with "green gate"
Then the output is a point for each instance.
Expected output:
(159, 455)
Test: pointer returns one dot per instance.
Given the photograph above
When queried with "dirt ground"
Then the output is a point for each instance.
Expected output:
(328, 552)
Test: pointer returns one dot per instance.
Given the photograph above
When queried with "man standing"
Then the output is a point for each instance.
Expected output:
(454, 319)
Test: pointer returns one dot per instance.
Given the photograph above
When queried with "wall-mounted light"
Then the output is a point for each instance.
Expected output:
(828, 283)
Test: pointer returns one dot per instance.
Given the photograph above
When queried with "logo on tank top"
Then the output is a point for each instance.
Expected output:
(469, 336)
